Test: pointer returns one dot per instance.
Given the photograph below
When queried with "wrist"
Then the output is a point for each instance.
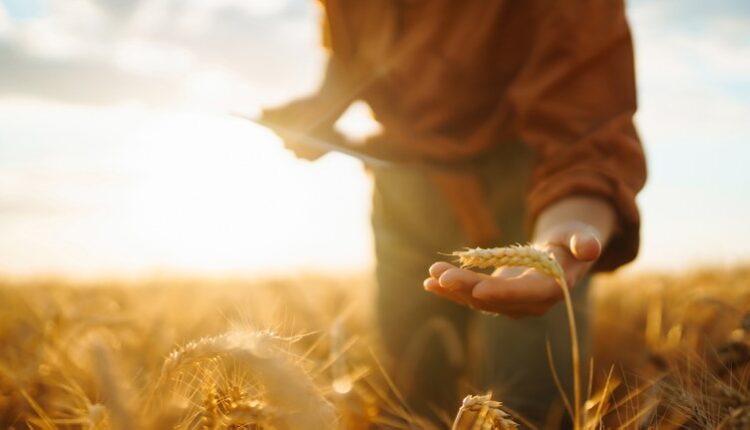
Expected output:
(585, 213)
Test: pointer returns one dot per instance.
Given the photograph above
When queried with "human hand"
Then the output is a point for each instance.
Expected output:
(300, 117)
(521, 291)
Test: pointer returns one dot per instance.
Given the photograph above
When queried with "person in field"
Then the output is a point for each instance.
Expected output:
(521, 116)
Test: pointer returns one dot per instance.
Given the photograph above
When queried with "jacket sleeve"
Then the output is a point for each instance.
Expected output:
(574, 101)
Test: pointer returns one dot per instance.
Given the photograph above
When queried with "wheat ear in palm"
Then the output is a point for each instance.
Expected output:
(544, 262)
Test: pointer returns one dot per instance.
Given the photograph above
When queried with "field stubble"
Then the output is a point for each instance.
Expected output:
(301, 353)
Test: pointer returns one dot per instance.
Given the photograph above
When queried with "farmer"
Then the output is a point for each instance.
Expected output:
(520, 114)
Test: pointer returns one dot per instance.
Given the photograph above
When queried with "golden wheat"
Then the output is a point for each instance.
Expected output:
(511, 256)
(287, 385)
(85, 358)
(544, 262)
(482, 413)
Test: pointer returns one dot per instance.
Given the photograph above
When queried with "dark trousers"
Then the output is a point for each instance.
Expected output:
(441, 351)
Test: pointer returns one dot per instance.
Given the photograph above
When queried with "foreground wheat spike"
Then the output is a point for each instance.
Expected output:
(288, 386)
(516, 256)
(544, 262)
(483, 413)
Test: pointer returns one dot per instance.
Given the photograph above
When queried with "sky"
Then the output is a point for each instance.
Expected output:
(118, 156)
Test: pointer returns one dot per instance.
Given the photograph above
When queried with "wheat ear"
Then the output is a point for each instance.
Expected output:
(289, 387)
(488, 414)
(544, 262)
(516, 255)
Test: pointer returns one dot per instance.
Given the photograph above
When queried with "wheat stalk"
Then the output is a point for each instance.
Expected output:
(110, 385)
(483, 413)
(544, 262)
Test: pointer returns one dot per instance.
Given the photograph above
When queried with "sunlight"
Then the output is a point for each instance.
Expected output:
(358, 123)
(221, 194)
(188, 192)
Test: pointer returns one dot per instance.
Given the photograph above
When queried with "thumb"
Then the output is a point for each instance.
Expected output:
(585, 245)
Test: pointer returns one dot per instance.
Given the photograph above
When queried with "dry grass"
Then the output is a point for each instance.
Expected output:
(682, 344)
(299, 353)
(187, 354)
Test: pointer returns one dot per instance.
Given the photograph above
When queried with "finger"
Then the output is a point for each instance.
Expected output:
(433, 286)
(462, 297)
(430, 284)
(300, 150)
(579, 239)
(439, 268)
(460, 279)
(531, 287)
(585, 245)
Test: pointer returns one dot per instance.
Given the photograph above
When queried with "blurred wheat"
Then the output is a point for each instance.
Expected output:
(298, 353)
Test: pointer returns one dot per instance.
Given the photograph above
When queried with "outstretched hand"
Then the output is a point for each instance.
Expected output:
(520, 291)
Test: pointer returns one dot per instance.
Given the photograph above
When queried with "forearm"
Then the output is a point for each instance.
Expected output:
(589, 212)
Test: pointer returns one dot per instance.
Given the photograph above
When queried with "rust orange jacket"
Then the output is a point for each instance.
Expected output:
(449, 79)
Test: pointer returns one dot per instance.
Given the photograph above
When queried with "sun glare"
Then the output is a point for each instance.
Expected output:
(192, 193)
(221, 194)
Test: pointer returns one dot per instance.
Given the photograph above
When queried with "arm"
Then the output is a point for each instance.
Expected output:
(574, 99)
(314, 115)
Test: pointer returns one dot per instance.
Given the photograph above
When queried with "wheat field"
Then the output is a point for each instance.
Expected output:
(670, 351)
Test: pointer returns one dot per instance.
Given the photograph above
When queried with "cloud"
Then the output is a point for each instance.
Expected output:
(692, 72)
(692, 13)
(709, 38)
(692, 61)
(5, 25)
(79, 81)
(107, 51)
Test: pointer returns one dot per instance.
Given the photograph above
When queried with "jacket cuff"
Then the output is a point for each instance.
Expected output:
(625, 240)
